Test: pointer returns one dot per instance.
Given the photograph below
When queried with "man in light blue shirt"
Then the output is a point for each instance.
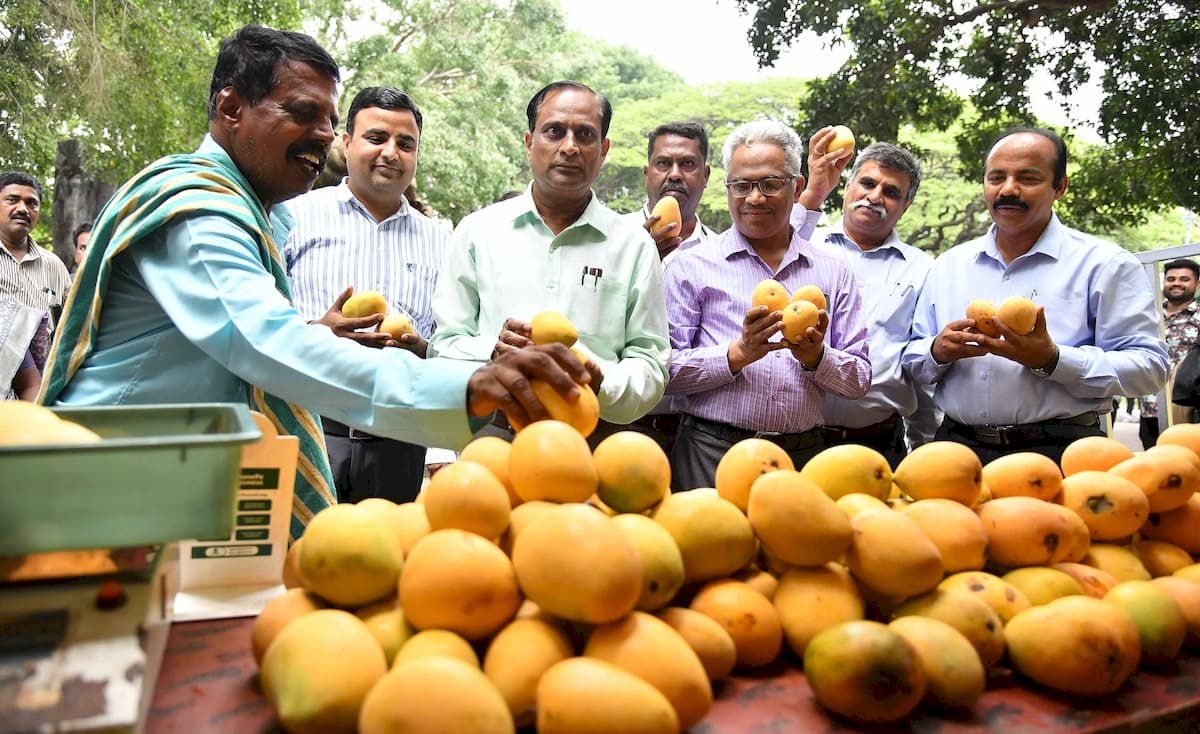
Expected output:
(185, 299)
(363, 233)
(556, 247)
(1096, 333)
(890, 275)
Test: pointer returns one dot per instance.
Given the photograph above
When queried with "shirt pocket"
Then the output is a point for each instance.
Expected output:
(1067, 318)
(598, 308)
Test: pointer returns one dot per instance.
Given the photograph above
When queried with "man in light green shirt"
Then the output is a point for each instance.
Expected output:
(556, 247)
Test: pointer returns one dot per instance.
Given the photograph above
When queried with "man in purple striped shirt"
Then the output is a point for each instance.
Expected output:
(740, 379)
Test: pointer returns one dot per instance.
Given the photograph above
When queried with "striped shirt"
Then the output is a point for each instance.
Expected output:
(336, 243)
(709, 289)
(39, 280)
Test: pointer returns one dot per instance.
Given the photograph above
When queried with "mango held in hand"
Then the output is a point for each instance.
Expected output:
(798, 316)
(983, 312)
(364, 303)
(396, 324)
(667, 210)
(770, 293)
(812, 294)
(1018, 313)
(843, 139)
(548, 327)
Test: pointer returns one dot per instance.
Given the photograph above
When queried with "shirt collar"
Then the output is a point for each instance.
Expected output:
(891, 242)
(522, 207)
(31, 247)
(343, 194)
(798, 248)
(1049, 243)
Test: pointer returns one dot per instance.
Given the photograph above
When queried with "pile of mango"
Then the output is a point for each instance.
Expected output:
(541, 583)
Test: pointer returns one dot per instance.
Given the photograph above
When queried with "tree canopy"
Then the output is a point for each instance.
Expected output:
(1144, 56)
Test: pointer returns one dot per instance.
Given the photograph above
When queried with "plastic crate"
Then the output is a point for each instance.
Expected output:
(161, 473)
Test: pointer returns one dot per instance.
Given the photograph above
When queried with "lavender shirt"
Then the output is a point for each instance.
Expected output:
(708, 289)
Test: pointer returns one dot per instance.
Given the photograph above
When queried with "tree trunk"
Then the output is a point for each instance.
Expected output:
(78, 198)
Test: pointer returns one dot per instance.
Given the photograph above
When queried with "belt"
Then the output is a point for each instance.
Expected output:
(883, 428)
(1020, 434)
(341, 430)
(660, 423)
(787, 441)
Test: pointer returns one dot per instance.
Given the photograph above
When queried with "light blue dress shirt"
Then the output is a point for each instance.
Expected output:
(1101, 311)
(890, 278)
(194, 316)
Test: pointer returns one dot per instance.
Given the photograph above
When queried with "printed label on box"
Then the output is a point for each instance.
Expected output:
(235, 576)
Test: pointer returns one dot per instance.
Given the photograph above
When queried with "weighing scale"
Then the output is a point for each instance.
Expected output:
(81, 639)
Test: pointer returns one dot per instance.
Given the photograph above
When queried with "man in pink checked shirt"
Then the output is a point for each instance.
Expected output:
(740, 379)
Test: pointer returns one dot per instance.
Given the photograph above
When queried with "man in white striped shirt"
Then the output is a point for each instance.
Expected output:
(363, 234)
(29, 275)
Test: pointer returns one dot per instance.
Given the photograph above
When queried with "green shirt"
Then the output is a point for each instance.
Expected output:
(601, 272)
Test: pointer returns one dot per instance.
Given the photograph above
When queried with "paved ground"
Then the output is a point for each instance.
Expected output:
(1126, 429)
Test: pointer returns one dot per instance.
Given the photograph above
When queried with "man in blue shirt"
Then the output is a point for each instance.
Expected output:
(890, 275)
(196, 302)
(1096, 333)
(363, 233)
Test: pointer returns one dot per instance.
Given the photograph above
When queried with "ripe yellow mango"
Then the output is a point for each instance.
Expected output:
(548, 327)
(1018, 313)
(667, 210)
(983, 312)
(770, 293)
(1076, 644)
(364, 303)
(798, 318)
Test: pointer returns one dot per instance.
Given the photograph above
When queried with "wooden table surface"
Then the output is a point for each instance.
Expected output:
(208, 683)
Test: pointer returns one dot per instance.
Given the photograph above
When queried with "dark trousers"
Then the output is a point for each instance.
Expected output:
(1148, 430)
(1050, 441)
(375, 467)
(696, 454)
(890, 443)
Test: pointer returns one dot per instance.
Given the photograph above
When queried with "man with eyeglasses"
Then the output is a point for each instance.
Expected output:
(728, 359)
(557, 247)
(896, 412)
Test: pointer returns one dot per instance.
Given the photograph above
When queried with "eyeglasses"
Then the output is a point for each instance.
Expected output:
(769, 186)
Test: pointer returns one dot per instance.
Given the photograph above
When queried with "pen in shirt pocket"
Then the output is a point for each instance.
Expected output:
(595, 273)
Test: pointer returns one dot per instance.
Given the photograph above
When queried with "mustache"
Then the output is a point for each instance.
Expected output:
(320, 151)
(1010, 201)
(879, 209)
(673, 186)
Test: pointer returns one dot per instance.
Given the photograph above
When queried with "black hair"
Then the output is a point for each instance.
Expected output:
(535, 104)
(20, 178)
(247, 61)
(1060, 149)
(1184, 263)
(892, 157)
(690, 130)
(385, 98)
(80, 229)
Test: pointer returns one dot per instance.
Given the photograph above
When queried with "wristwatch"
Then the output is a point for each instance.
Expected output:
(1047, 369)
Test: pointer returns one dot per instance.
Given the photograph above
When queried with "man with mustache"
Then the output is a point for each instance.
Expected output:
(738, 378)
(557, 247)
(677, 166)
(1095, 336)
(29, 275)
(185, 297)
(363, 234)
(1181, 328)
(896, 412)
